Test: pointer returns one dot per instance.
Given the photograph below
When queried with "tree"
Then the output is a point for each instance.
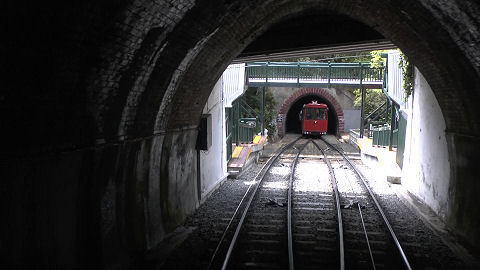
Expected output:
(374, 98)
(252, 98)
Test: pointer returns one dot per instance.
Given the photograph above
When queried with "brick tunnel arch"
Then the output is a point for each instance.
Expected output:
(116, 99)
(286, 115)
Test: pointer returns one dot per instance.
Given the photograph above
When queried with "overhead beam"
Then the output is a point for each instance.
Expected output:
(317, 51)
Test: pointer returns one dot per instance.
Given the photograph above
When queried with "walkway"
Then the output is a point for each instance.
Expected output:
(288, 74)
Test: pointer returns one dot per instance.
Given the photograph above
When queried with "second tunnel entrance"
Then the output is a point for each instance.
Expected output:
(292, 123)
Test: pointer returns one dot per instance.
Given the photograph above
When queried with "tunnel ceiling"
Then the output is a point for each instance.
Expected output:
(311, 31)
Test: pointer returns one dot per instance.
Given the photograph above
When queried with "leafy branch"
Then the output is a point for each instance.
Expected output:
(407, 73)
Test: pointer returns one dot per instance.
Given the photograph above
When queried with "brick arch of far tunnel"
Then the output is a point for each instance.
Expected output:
(288, 122)
(292, 123)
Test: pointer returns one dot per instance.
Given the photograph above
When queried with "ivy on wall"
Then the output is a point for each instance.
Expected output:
(407, 73)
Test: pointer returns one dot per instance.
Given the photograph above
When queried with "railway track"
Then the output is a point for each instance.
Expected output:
(325, 216)
(369, 240)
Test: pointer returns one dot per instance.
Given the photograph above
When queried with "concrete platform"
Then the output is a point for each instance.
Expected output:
(382, 159)
(244, 154)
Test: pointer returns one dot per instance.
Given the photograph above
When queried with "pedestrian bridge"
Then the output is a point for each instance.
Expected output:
(293, 74)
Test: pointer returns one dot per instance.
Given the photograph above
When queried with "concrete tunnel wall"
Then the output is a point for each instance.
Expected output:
(426, 166)
(103, 99)
(211, 173)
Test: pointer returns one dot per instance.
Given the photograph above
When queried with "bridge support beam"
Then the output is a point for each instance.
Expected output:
(262, 107)
(362, 110)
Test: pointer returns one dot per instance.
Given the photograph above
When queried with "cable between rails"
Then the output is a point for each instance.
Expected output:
(289, 211)
(337, 201)
(363, 223)
(379, 208)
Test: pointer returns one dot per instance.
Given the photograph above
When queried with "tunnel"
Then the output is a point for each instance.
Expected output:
(293, 125)
(102, 103)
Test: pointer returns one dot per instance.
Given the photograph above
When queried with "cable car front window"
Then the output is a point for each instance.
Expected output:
(322, 114)
(310, 113)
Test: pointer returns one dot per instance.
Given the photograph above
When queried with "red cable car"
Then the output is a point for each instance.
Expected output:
(314, 117)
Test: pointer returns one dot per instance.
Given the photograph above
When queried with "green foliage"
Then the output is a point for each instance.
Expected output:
(252, 97)
(407, 73)
(377, 60)
(374, 98)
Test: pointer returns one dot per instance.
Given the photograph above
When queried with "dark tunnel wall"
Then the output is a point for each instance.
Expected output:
(102, 100)
(293, 125)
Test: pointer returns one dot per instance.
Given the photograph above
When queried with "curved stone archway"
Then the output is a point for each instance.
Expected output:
(114, 93)
(304, 92)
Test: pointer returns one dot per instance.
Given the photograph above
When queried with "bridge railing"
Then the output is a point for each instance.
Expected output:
(329, 72)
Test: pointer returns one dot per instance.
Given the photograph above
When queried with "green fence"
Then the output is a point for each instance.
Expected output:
(242, 123)
(313, 71)
(381, 136)
(247, 129)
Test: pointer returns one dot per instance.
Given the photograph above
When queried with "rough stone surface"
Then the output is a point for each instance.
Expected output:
(102, 100)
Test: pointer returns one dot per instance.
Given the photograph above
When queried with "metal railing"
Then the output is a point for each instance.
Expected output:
(327, 73)
(242, 123)
(354, 135)
(381, 136)
(247, 129)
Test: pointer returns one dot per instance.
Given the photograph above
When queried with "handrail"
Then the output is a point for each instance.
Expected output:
(379, 107)
(301, 71)
(251, 109)
(246, 111)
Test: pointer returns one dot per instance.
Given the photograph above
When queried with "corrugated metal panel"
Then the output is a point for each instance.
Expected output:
(233, 83)
(395, 78)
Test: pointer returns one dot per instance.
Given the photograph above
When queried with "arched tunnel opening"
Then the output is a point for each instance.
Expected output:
(113, 95)
(293, 124)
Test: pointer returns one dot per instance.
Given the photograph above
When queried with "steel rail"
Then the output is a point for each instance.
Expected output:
(235, 213)
(337, 200)
(289, 210)
(363, 226)
(379, 208)
(245, 210)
